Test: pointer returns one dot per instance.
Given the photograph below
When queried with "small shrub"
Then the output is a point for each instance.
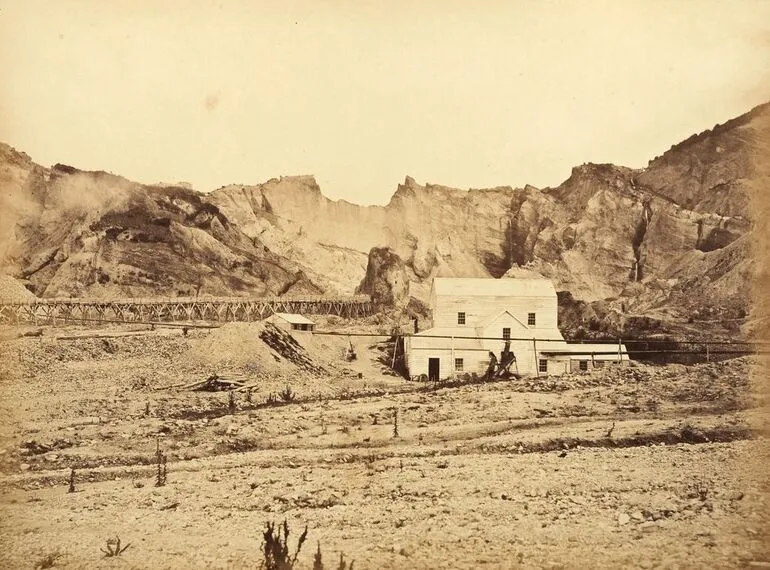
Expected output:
(287, 395)
(276, 547)
(72, 482)
(113, 548)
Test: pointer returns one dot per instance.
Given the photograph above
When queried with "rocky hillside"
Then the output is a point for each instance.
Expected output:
(669, 241)
(73, 233)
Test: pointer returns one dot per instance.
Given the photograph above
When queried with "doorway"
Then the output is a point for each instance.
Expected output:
(433, 369)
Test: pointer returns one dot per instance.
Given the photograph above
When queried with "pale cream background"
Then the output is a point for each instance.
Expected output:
(466, 94)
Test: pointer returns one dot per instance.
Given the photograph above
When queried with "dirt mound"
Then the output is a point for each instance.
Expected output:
(259, 350)
(12, 291)
(287, 346)
(237, 346)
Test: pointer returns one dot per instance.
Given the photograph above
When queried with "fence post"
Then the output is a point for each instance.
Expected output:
(619, 352)
(537, 361)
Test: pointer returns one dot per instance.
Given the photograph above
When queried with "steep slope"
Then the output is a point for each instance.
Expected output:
(72, 233)
(293, 219)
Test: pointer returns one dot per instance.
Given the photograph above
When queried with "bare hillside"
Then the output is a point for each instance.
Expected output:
(670, 240)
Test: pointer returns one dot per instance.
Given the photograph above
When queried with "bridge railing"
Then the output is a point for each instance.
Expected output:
(357, 299)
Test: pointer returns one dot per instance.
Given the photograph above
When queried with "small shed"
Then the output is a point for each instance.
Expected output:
(291, 322)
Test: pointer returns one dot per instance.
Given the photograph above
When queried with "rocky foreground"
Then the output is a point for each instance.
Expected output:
(651, 467)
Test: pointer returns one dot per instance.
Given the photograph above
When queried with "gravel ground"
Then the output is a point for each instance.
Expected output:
(639, 467)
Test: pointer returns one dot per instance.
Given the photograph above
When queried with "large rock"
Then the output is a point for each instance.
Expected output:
(386, 279)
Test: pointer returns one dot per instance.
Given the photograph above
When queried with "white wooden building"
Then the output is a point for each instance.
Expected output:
(291, 322)
(473, 317)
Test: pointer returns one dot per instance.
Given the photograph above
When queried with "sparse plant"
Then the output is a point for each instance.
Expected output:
(395, 423)
(345, 430)
(287, 394)
(276, 547)
(147, 409)
(48, 561)
(342, 565)
(697, 490)
(113, 548)
(160, 457)
(609, 431)
(231, 407)
(271, 399)
(374, 419)
(248, 396)
(72, 482)
(691, 434)
(324, 427)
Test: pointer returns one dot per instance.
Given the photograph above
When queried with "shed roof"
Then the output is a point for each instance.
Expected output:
(489, 286)
(584, 350)
(294, 318)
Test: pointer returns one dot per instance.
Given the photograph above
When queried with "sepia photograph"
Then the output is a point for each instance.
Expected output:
(337, 284)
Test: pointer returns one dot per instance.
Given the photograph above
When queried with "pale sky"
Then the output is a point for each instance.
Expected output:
(360, 94)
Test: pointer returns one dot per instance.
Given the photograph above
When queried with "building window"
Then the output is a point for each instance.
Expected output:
(583, 365)
(458, 364)
(531, 319)
(460, 318)
(542, 365)
(506, 333)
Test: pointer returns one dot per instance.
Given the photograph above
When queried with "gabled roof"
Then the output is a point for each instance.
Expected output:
(489, 286)
(294, 318)
(492, 318)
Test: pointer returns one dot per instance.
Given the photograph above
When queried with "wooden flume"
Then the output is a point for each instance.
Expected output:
(217, 309)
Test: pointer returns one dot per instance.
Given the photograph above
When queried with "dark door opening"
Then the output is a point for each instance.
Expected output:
(433, 369)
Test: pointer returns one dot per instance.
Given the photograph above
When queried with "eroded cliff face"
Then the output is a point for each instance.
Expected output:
(80, 233)
(668, 239)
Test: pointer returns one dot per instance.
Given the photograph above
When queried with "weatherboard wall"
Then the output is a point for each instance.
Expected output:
(478, 308)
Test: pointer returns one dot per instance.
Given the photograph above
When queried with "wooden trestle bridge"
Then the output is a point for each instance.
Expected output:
(217, 309)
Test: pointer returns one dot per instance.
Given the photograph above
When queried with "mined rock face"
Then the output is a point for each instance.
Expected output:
(95, 234)
(669, 239)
